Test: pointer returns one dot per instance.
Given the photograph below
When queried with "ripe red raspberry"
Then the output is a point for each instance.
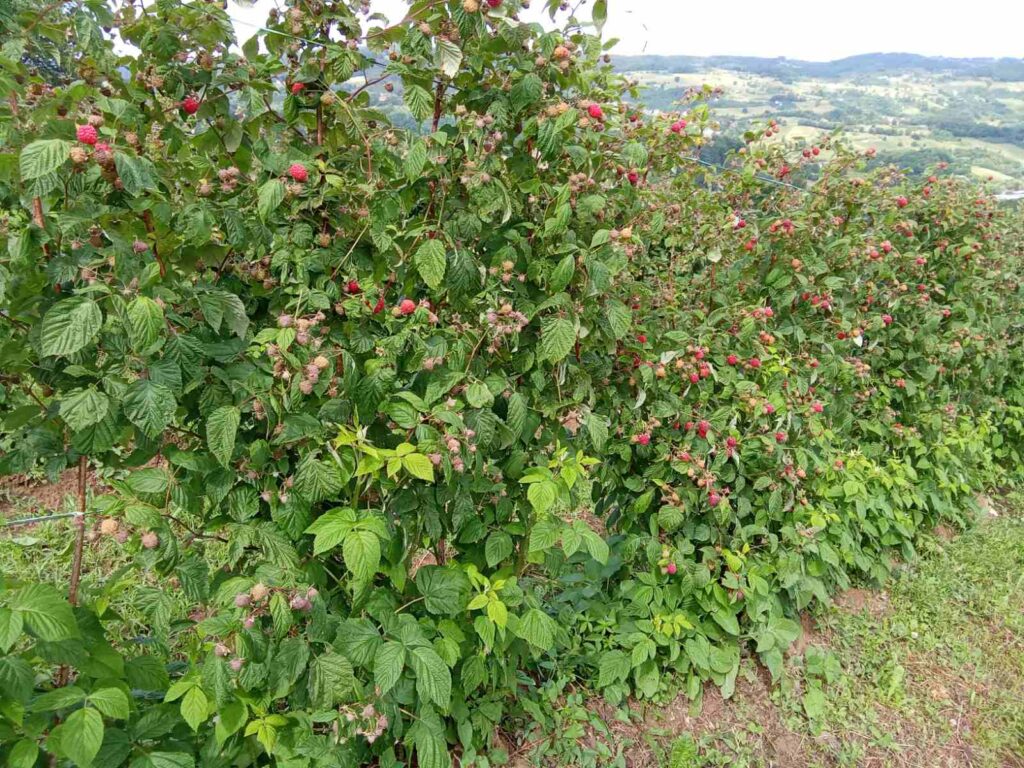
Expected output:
(594, 110)
(703, 427)
(190, 104)
(754, 362)
(494, 3)
(780, 437)
(642, 338)
(642, 439)
(86, 134)
(353, 286)
(694, 378)
(671, 569)
(298, 172)
(902, 202)
(887, 319)
(407, 307)
(297, 87)
(634, 178)
(817, 407)
(714, 499)
(732, 359)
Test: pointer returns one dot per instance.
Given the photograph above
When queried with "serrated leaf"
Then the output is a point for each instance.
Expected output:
(145, 322)
(112, 702)
(562, 274)
(271, 195)
(449, 57)
(388, 665)
(542, 496)
(317, 480)
(499, 546)
(536, 628)
(415, 160)
(221, 431)
(330, 679)
(43, 157)
(194, 707)
(82, 408)
(69, 326)
(620, 318)
(361, 550)
(419, 466)
(431, 262)
(45, 612)
(445, 589)
(149, 406)
(433, 678)
(557, 337)
(81, 736)
(137, 174)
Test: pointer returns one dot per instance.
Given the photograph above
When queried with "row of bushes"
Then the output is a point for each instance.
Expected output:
(418, 423)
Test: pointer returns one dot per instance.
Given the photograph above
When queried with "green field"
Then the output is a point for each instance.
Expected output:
(930, 111)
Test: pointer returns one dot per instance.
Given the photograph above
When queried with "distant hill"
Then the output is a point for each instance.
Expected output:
(1009, 70)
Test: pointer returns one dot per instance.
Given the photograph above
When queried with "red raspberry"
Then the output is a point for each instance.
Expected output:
(594, 110)
(190, 104)
(353, 286)
(86, 134)
(407, 307)
(298, 172)
(297, 88)
(732, 360)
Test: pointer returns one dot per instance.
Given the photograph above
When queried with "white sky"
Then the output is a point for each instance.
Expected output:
(798, 29)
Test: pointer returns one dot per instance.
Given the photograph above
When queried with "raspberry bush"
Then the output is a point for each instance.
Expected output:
(436, 371)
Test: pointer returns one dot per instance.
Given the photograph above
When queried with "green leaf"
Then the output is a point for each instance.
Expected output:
(137, 174)
(561, 276)
(45, 612)
(221, 429)
(148, 480)
(499, 546)
(58, 698)
(419, 466)
(164, 760)
(271, 195)
(149, 406)
(557, 337)
(600, 14)
(361, 550)
(445, 589)
(517, 413)
(112, 702)
(597, 429)
(11, 625)
(388, 665)
(145, 322)
(536, 628)
(415, 160)
(620, 318)
(42, 157)
(449, 57)
(195, 707)
(542, 496)
(613, 667)
(418, 100)
(81, 408)
(478, 395)
(431, 262)
(330, 679)
(433, 678)
(317, 480)
(23, 755)
(230, 718)
(81, 736)
(288, 665)
(16, 678)
(69, 326)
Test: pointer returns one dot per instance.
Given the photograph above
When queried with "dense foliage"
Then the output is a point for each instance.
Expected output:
(420, 424)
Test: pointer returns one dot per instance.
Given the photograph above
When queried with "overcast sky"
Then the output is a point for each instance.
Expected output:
(799, 29)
